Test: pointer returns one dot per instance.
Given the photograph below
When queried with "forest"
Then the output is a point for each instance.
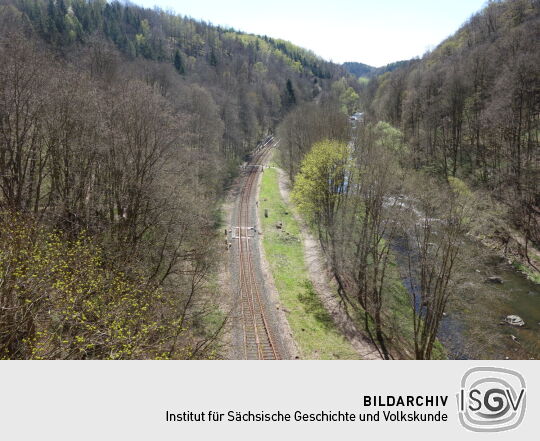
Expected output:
(446, 156)
(362, 70)
(122, 130)
(470, 109)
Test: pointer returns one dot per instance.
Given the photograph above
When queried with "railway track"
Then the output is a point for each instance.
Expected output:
(258, 341)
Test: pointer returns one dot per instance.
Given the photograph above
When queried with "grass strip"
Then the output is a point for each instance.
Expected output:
(312, 327)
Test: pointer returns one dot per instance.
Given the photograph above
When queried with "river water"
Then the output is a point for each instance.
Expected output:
(472, 328)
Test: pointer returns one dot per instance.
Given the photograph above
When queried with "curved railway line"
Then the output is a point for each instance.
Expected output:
(258, 340)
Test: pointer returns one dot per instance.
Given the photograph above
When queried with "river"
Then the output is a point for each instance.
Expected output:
(472, 328)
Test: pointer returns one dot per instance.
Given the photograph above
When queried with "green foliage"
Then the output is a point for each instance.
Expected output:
(366, 72)
(358, 69)
(178, 63)
(312, 326)
(213, 59)
(128, 25)
(136, 156)
(348, 98)
(290, 96)
(389, 137)
(61, 299)
(252, 69)
(321, 180)
(469, 109)
(460, 188)
(530, 273)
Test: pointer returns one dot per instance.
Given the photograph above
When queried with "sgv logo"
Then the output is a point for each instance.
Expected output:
(491, 399)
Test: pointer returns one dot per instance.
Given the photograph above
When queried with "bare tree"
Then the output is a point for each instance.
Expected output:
(434, 231)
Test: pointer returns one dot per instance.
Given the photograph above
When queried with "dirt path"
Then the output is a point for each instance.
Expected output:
(324, 285)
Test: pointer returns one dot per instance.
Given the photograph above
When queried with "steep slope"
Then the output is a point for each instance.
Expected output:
(120, 129)
(358, 69)
(470, 109)
(246, 74)
(363, 70)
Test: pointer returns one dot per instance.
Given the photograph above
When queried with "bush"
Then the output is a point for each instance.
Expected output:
(60, 299)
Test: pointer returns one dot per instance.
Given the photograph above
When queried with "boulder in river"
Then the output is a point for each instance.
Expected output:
(494, 279)
(514, 320)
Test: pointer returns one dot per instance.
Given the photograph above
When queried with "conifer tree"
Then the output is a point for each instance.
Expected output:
(213, 58)
(178, 63)
(290, 97)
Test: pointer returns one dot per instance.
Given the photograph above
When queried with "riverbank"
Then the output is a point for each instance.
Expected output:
(348, 320)
(511, 246)
(474, 328)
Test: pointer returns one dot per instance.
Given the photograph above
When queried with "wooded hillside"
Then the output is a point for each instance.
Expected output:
(120, 128)
(471, 109)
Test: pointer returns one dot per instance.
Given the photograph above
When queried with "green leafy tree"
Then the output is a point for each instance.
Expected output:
(321, 182)
(347, 96)
(61, 299)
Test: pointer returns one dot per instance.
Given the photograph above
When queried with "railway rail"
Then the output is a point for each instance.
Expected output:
(258, 340)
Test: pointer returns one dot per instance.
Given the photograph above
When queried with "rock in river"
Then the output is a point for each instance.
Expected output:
(494, 279)
(514, 320)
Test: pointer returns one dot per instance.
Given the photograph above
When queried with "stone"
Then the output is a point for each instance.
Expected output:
(494, 279)
(514, 320)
